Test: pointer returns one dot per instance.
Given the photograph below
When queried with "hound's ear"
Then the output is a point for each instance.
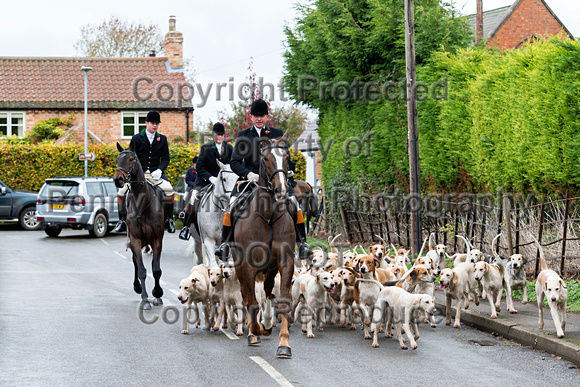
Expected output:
(119, 147)
(525, 260)
(377, 262)
(221, 266)
(132, 146)
(545, 286)
(208, 271)
(562, 283)
(417, 302)
(193, 280)
(455, 278)
(414, 274)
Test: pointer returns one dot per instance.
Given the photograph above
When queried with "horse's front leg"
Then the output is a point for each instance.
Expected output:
(249, 294)
(140, 277)
(156, 266)
(286, 269)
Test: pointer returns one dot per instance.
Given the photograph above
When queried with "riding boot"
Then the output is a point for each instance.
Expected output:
(122, 209)
(169, 217)
(223, 251)
(304, 252)
(184, 234)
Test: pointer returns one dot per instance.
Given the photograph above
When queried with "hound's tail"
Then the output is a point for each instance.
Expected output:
(543, 265)
(495, 255)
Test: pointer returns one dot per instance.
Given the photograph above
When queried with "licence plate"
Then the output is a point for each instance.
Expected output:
(57, 206)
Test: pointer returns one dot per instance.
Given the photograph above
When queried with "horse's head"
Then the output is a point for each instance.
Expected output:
(226, 180)
(126, 162)
(274, 165)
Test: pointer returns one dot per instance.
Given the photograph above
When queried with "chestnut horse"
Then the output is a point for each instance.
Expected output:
(264, 242)
(145, 220)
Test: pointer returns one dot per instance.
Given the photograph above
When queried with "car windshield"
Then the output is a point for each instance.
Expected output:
(59, 188)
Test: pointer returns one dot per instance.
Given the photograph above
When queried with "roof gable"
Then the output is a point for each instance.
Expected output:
(113, 83)
(494, 19)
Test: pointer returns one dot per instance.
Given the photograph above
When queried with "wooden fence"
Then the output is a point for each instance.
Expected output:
(555, 223)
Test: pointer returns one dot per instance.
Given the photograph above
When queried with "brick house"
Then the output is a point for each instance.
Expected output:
(525, 20)
(120, 93)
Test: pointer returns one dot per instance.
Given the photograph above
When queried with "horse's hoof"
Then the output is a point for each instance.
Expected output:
(284, 352)
(145, 305)
(266, 332)
(254, 340)
(157, 301)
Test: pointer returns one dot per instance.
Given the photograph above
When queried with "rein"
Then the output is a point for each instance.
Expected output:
(270, 187)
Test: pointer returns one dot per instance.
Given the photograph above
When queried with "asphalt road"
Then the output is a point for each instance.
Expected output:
(69, 317)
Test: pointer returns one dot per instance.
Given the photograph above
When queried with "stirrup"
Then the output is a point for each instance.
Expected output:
(184, 234)
(181, 215)
(223, 251)
(170, 226)
(120, 227)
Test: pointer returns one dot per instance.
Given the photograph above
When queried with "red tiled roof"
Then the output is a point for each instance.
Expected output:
(59, 83)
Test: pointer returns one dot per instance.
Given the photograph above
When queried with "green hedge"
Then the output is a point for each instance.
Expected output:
(511, 121)
(27, 166)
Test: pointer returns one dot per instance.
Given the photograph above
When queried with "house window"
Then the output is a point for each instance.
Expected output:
(132, 123)
(12, 123)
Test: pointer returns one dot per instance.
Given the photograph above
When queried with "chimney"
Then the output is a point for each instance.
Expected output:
(479, 22)
(174, 45)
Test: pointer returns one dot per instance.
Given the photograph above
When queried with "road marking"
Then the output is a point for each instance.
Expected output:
(120, 255)
(277, 376)
(104, 241)
(229, 334)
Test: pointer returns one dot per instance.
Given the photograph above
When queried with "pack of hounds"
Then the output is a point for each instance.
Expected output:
(380, 288)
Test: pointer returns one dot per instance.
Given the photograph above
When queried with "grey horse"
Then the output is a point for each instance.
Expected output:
(210, 216)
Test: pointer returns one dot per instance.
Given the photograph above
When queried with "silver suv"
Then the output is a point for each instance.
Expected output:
(79, 203)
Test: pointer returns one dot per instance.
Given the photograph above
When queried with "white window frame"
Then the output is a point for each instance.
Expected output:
(136, 129)
(10, 128)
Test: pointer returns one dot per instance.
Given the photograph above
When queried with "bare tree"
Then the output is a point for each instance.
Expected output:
(117, 37)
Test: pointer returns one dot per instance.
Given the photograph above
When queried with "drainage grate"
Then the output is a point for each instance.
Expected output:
(483, 343)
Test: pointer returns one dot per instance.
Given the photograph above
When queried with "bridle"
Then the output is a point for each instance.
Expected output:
(128, 173)
(270, 187)
(216, 200)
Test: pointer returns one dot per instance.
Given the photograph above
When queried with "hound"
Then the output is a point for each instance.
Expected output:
(192, 290)
(311, 294)
(491, 277)
(437, 254)
(232, 298)
(215, 295)
(514, 276)
(403, 305)
(457, 283)
(551, 285)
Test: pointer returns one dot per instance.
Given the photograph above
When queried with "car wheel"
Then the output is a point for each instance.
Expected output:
(53, 231)
(100, 226)
(28, 220)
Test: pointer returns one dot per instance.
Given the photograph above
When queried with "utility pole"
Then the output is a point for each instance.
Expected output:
(414, 171)
(86, 70)
(479, 22)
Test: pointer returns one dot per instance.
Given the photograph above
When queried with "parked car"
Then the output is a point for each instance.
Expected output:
(18, 206)
(79, 203)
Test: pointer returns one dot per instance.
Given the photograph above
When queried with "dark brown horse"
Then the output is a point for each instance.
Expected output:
(308, 201)
(264, 243)
(145, 221)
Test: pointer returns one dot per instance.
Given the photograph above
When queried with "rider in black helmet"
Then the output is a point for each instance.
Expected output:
(246, 164)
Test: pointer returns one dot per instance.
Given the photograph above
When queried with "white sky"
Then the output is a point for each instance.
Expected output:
(220, 35)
